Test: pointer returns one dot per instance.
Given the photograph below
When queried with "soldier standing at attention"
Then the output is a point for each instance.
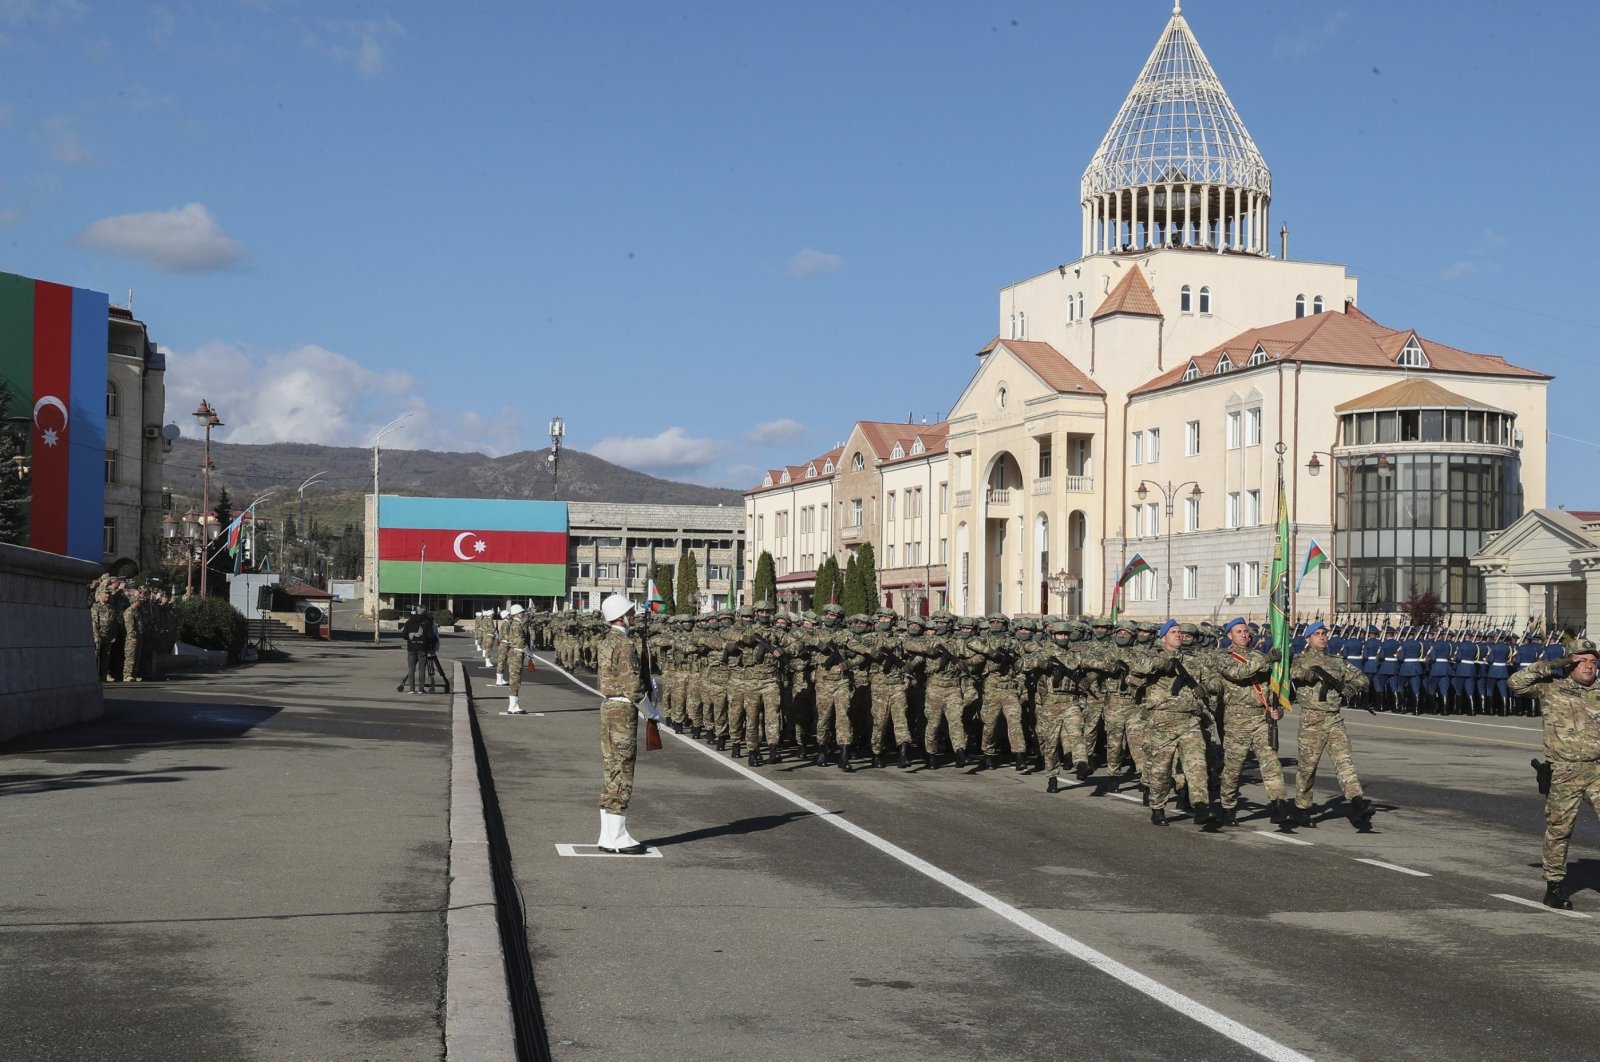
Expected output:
(133, 631)
(1328, 683)
(1571, 701)
(516, 657)
(1247, 707)
(623, 683)
(107, 628)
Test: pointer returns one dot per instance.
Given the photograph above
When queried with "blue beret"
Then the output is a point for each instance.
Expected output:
(1237, 621)
(1165, 627)
(1314, 626)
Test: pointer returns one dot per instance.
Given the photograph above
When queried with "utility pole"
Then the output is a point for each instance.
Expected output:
(377, 523)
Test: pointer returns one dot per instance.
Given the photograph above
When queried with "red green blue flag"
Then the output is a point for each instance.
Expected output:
(1136, 566)
(1315, 558)
(653, 598)
(53, 344)
(474, 546)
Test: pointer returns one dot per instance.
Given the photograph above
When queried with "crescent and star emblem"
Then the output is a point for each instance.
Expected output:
(50, 435)
(478, 545)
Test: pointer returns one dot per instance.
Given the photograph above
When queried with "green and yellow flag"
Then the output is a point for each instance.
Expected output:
(1278, 613)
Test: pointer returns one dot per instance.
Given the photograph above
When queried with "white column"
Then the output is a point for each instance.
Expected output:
(1116, 240)
(1086, 241)
(1166, 221)
(1150, 216)
(1205, 216)
(1238, 220)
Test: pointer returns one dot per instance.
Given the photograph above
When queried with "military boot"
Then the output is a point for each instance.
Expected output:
(1555, 895)
(1022, 763)
(1182, 802)
(1203, 815)
(1361, 810)
(1158, 816)
(905, 756)
(1053, 785)
(877, 759)
(1083, 771)
(756, 759)
(933, 761)
(822, 756)
(722, 744)
(1230, 816)
(1276, 813)
(738, 750)
(844, 760)
(1302, 817)
(961, 756)
(775, 754)
(988, 762)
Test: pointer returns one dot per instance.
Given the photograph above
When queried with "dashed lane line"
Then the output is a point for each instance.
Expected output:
(1216, 1021)
(1394, 867)
(1536, 905)
(1467, 722)
(1284, 837)
(1436, 733)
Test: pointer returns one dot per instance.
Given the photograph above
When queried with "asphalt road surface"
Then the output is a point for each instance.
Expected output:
(795, 912)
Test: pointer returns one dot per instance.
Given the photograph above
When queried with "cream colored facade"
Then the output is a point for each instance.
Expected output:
(1543, 572)
(136, 399)
(911, 544)
(791, 517)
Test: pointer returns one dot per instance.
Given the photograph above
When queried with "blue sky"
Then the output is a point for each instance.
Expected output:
(712, 235)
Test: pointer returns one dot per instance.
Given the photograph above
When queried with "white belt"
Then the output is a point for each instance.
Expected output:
(1412, 660)
(628, 700)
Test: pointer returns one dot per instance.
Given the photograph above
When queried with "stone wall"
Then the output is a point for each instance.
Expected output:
(47, 661)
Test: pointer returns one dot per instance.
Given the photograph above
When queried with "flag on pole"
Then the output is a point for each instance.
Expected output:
(235, 540)
(653, 597)
(1136, 566)
(1278, 610)
(1315, 558)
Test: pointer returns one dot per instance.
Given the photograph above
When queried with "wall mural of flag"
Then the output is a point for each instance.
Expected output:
(53, 343)
(474, 547)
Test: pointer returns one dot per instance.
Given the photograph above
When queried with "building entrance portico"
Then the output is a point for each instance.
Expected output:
(1543, 571)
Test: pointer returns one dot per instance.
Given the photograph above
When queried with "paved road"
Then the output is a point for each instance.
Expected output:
(765, 931)
(245, 865)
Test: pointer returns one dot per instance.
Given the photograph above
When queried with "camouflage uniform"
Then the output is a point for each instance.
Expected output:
(879, 653)
(1122, 702)
(949, 688)
(1328, 680)
(135, 626)
(1572, 745)
(1245, 691)
(1185, 684)
(763, 697)
(622, 684)
(106, 625)
(830, 650)
(1058, 702)
(514, 653)
(718, 679)
(1002, 692)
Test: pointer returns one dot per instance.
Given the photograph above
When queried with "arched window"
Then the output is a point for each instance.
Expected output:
(1080, 305)
(857, 462)
(1299, 306)
(1316, 304)
(1185, 300)
(1071, 310)
(1022, 325)
(1205, 300)
(1000, 396)
(113, 400)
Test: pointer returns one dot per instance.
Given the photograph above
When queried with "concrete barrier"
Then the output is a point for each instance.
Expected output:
(47, 661)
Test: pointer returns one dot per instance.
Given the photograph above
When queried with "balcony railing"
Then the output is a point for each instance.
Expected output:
(1042, 486)
(999, 496)
(1080, 484)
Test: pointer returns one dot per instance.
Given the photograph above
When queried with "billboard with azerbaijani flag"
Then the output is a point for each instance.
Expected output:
(472, 547)
(53, 347)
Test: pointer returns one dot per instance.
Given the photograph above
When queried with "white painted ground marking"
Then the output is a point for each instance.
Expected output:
(1126, 796)
(1536, 905)
(1284, 837)
(589, 851)
(1463, 722)
(1240, 1034)
(1391, 866)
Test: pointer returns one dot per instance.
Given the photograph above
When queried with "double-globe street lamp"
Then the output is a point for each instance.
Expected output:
(1169, 494)
(189, 537)
(1062, 584)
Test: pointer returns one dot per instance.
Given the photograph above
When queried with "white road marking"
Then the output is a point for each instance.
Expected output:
(1220, 1023)
(1461, 722)
(1392, 866)
(589, 851)
(1284, 837)
(1127, 796)
(1536, 905)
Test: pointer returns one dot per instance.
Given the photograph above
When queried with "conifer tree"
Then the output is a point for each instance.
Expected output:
(766, 588)
(868, 569)
(688, 584)
(665, 586)
(851, 598)
(824, 585)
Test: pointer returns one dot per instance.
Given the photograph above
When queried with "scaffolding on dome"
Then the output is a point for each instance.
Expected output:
(1177, 168)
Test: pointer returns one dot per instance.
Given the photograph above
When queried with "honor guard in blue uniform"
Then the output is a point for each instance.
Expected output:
(1530, 652)
(1494, 669)
(1440, 665)
(1389, 670)
(1408, 688)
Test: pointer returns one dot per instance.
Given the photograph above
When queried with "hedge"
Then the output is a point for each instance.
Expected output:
(212, 623)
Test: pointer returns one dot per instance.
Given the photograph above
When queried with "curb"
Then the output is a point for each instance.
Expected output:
(477, 1004)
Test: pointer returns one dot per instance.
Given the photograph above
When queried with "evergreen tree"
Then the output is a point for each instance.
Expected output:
(824, 587)
(850, 599)
(688, 584)
(14, 489)
(664, 585)
(867, 567)
(835, 580)
(766, 579)
(223, 510)
(289, 532)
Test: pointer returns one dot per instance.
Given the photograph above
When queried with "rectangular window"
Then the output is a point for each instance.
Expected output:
(761, 529)
(1252, 508)
(582, 570)
(607, 572)
(1235, 424)
(855, 513)
(111, 466)
(1044, 461)
(1191, 438)
(826, 511)
(890, 558)
(717, 573)
(1233, 508)
(637, 572)
(780, 523)
(1191, 514)
(1191, 581)
(914, 504)
(944, 498)
(111, 535)
(888, 507)
(1252, 427)
(1136, 449)
(944, 550)
(1230, 580)
(1136, 527)
(1153, 445)
(1252, 579)
(1152, 520)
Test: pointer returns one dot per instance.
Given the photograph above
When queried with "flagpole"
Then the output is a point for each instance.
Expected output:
(422, 570)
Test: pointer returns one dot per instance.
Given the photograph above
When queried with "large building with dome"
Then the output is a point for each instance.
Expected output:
(1138, 400)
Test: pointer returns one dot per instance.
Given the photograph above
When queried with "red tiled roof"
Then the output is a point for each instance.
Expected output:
(1349, 338)
(797, 473)
(1049, 365)
(1587, 516)
(1412, 393)
(307, 591)
(1132, 295)
(881, 435)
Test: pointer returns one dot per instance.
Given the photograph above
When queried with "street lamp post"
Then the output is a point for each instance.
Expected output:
(1169, 494)
(207, 416)
(558, 431)
(1063, 583)
(1348, 466)
(377, 524)
(301, 490)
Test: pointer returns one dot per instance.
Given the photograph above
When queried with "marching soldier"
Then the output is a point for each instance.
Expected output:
(1058, 705)
(1002, 693)
(1329, 681)
(1247, 709)
(949, 688)
(1185, 685)
(887, 677)
(1571, 701)
(829, 648)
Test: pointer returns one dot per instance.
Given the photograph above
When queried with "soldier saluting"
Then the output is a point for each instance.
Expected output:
(1571, 702)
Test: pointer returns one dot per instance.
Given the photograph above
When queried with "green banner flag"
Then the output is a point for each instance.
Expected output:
(1278, 615)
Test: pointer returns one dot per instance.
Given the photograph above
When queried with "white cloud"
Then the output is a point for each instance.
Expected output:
(810, 262)
(315, 395)
(185, 240)
(775, 432)
(673, 450)
(360, 43)
(1298, 45)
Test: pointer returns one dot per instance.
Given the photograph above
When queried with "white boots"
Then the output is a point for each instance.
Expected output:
(614, 838)
(514, 708)
(499, 679)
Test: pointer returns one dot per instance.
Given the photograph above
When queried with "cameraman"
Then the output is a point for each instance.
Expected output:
(421, 638)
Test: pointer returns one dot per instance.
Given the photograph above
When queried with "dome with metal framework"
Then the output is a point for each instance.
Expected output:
(1177, 168)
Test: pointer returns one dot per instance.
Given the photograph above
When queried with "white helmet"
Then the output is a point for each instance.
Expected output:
(615, 607)
(515, 610)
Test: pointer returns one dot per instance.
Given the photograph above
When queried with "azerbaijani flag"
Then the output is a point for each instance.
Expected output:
(1278, 607)
(236, 539)
(1137, 566)
(1315, 558)
(475, 546)
(653, 597)
(53, 344)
